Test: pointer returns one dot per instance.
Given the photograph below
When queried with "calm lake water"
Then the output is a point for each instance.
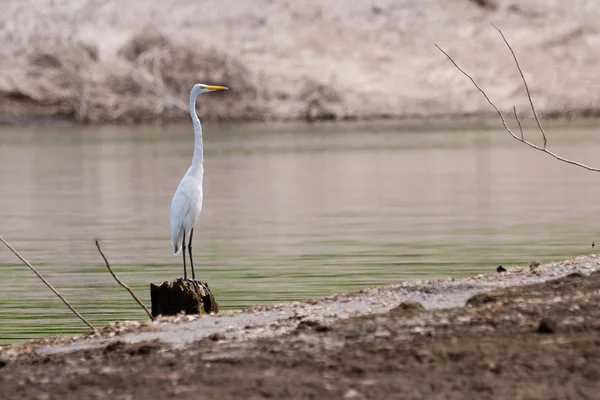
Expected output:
(290, 211)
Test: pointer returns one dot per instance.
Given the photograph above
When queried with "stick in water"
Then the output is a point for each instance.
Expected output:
(121, 283)
(47, 284)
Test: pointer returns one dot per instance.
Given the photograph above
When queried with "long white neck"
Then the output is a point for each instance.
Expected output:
(196, 167)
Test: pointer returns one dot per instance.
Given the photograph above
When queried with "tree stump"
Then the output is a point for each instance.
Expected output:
(189, 297)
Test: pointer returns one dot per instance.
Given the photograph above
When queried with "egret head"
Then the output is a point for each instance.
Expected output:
(202, 88)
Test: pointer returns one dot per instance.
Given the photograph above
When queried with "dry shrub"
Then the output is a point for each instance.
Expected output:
(148, 79)
(147, 40)
(54, 72)
(322, 102)
(169, 70)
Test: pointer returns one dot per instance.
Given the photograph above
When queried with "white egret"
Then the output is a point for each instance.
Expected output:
(187, 201)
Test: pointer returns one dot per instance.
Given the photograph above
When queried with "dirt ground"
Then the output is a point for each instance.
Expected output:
(95, 61)
(538, 341)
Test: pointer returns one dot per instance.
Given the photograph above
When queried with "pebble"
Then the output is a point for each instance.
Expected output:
(351, 394)
(546, 326)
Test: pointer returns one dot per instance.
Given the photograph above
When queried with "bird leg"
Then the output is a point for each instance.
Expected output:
(183, 251)
(206, 289)
(190, 251)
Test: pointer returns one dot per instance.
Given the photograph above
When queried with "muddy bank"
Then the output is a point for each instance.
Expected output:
(92, 62)
(512, 339)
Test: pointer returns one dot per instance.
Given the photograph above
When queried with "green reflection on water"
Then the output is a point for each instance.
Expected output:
(291, 211)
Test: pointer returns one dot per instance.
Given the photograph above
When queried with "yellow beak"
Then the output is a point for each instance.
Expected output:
(210, 87)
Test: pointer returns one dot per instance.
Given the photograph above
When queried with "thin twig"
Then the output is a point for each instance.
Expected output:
(518, 122)
(524, 83)
(121, 283)
(482, 92)
(47, 284)
(520, 139)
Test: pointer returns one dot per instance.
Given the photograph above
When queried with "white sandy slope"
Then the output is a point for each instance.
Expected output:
(345, 59)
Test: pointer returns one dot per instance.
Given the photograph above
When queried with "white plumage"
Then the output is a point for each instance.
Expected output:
(187, 200)
(185, 207)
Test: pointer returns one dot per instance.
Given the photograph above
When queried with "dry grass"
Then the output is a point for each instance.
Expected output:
(148, 80)
(105, 61)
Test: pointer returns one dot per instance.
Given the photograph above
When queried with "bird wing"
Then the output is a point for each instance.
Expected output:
(179, 208)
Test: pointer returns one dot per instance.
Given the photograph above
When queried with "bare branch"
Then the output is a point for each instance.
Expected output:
(524, 83)
(478, 88)
(48, 284)
(121, 283)
(520, 139)
(518, 122)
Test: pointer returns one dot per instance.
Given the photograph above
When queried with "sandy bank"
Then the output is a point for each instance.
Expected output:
(110, 61)
(532, 334)
(261, 322)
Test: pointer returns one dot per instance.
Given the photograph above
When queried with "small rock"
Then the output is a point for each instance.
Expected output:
(534, 268)
(107, 370)
(407, 307)
(495, 368)
(351, 394)
(2, 363)
(215, 337)
(546, 326)
(481, 299)
(537, 272)
(310, 324)
(574, 275)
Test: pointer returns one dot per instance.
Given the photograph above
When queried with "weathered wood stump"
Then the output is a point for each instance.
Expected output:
(189, 297)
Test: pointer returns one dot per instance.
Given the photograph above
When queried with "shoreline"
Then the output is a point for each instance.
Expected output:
(414, 340)
(466, 338)
(433, 294)
(443, 121)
